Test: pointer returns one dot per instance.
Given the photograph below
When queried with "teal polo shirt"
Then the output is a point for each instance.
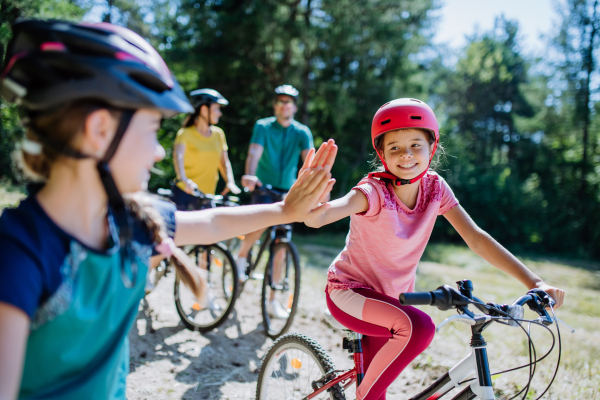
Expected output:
(278, 165)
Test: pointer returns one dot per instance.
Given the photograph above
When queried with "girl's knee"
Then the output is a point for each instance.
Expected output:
(423, 330)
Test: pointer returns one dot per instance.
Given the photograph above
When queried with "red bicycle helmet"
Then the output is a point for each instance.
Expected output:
(402, 114)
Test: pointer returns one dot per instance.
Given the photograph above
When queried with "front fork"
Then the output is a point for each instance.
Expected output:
(475, 363)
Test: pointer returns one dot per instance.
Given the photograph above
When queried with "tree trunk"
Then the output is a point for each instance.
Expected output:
(588, 60)
(108, 15)
(307, 61)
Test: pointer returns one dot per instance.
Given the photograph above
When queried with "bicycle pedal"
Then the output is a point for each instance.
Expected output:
(257, 277)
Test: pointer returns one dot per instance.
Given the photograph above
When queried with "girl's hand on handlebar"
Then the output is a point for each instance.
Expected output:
(190, 186)
(250, 182)
(231, 187)
(557, 294)
(302, 201)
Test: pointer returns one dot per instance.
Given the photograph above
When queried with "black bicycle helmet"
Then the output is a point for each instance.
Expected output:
(200, 97)
(50, 63)
(287, 90)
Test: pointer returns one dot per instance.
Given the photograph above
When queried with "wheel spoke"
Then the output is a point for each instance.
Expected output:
(301, 357)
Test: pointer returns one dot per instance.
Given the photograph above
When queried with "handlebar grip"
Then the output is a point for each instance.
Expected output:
(416, 299)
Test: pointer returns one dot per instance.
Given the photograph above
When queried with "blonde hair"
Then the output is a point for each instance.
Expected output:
(61, 128)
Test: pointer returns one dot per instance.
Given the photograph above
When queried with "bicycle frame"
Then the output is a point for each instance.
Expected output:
(356, 374)
(270, 236)
(475, 363)
(481, 388)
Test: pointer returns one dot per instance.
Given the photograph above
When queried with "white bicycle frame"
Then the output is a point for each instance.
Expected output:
(475, 363)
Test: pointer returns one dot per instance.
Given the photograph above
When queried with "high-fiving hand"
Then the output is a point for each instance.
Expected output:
(313, 185)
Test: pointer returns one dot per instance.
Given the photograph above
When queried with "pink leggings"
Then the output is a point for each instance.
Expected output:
(393, 335)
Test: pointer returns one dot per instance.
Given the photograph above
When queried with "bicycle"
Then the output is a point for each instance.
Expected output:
(301, 360)
(284, 261)
(222, 275)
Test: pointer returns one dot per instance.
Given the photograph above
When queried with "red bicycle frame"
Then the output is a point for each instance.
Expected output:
(356, 374)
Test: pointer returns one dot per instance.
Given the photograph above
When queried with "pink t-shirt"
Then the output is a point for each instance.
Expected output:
(385, 243)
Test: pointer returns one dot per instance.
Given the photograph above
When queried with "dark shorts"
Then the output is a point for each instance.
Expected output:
(187, 202)
(261, 197)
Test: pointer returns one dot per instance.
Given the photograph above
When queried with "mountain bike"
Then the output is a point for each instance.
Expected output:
(281, 280)
(222, 275)
(297, 367)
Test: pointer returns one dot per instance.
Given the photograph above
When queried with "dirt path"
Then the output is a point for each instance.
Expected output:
(171, 362)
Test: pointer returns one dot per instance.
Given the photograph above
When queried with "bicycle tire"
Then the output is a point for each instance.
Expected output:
(294, 344)
(224, 286)
(275, 327)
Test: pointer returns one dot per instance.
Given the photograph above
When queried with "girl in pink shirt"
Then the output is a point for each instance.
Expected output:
(392, 213)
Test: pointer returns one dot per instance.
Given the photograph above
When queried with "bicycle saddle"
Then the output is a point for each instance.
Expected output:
(332, 321)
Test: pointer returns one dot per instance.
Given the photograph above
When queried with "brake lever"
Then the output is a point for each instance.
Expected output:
(565, 324)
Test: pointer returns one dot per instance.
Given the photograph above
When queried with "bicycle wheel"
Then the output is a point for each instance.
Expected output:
(233, 244)
(222, 286)
(290, 367)
(281, 289)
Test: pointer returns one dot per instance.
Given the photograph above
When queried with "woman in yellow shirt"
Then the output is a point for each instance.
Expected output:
(200, 151)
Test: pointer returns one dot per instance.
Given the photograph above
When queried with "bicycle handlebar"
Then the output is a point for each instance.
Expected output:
(446, 297)
(268, 190)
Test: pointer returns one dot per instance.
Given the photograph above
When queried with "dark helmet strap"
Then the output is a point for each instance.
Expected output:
(122, 217)
(208, 109)
(123, 124)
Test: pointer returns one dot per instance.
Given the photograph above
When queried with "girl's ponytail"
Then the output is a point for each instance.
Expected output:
(141, 206)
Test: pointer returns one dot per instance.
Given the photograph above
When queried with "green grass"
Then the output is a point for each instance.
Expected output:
(579, 373)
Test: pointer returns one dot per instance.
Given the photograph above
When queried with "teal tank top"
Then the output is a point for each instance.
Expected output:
(78, 346)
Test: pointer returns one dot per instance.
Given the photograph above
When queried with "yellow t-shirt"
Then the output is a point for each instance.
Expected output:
(202, 157)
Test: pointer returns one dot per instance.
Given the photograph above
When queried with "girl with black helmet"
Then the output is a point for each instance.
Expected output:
(76, 250)
(200, 151)
(392, 213)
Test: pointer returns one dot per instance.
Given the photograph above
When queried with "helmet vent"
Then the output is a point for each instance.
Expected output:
(415, 117)
(418, 101)
(387, 121)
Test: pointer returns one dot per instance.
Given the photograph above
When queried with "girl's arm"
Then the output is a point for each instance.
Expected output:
(14, 329)
(490, 250)
(353, 203)
(301, 203)
(178, 152)
(227, 174)
(249, 179)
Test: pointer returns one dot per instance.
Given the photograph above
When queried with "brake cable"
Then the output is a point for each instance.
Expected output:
(559, 353)
(531, 347)
(531, 342)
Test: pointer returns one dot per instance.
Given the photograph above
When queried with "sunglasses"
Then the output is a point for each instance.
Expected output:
(283, 102)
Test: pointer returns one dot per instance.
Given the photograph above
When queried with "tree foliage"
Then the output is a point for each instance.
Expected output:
(521, 134)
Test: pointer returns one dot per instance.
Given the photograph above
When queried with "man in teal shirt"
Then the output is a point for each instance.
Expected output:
(277, 145)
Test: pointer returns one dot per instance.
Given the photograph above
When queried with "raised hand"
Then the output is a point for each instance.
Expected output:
(303, 199)
(324, 157)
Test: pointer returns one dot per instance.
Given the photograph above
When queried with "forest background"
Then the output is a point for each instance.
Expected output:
(521, 134)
